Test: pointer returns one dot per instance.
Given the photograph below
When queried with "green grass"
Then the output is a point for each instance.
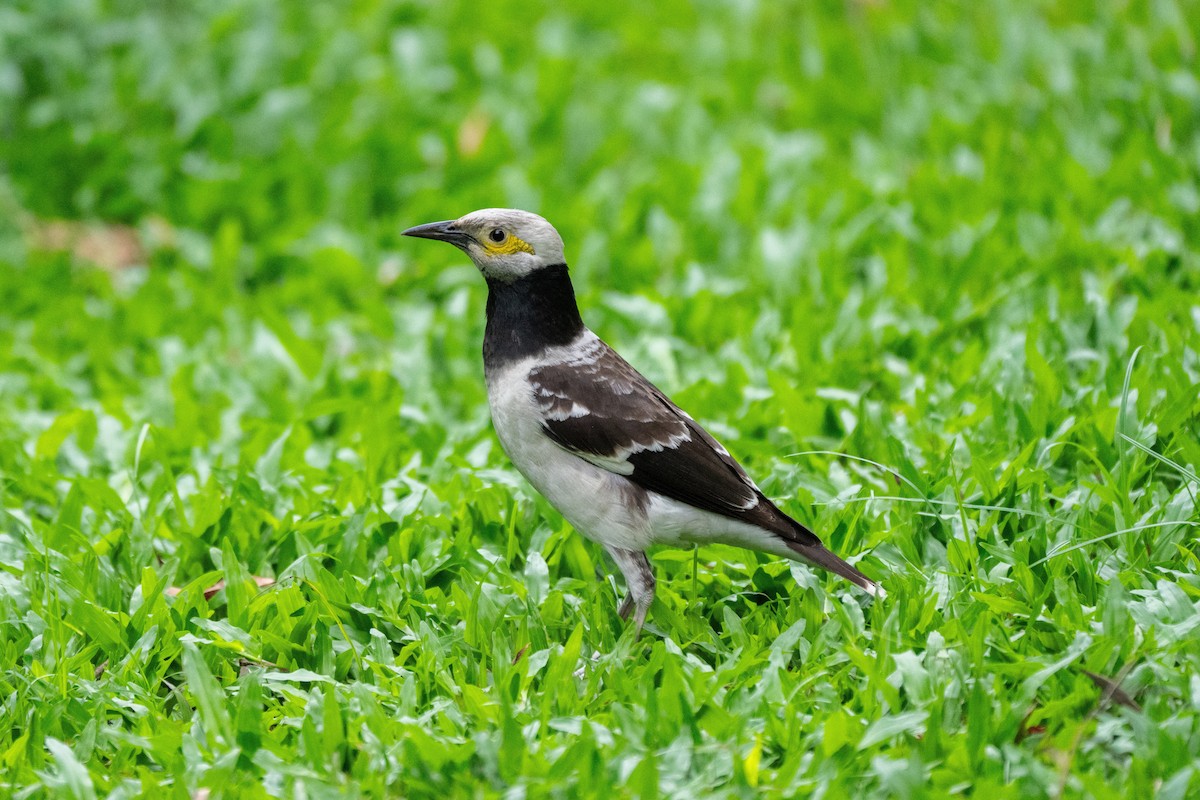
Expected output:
(958, 242)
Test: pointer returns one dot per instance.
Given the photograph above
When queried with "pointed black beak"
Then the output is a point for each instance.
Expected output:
(442, 231)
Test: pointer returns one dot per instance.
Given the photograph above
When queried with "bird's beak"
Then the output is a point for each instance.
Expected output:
(442, 231)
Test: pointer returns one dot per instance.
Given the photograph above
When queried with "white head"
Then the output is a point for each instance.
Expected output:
(505, 244)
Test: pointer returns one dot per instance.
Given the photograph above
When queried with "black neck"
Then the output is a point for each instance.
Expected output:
(529, 314)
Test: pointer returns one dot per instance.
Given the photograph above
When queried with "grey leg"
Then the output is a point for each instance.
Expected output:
(639, 577)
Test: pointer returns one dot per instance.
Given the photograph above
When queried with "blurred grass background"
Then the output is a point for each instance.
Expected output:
(958, 239)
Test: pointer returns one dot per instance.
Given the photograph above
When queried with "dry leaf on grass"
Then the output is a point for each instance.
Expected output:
(473, 131)
(112, 247)
(1113, 691)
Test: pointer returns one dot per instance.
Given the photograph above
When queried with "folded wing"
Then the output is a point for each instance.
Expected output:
(597, 406)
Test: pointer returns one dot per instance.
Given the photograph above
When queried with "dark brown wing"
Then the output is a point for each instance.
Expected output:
(597, 406)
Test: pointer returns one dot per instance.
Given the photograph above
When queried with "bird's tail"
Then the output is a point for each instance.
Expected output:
(821, 556)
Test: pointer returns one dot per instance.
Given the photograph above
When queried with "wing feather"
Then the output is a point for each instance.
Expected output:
(597, 406)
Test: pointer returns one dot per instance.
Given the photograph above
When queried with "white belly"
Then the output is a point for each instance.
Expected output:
(590, 498)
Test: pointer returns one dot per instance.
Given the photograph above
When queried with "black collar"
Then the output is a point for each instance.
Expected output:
(527, 315)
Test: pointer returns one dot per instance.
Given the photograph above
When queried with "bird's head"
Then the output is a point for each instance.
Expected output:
(505, 244)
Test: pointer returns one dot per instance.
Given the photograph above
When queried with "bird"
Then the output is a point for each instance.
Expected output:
(622, 463)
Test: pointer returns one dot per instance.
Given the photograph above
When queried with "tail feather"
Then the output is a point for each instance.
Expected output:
(821, 556)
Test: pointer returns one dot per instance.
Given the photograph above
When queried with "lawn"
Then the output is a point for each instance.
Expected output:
(930, 270)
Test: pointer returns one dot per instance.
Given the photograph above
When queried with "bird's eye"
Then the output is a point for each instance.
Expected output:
(497, 235)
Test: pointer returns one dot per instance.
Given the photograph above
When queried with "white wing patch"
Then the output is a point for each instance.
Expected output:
(557, 405)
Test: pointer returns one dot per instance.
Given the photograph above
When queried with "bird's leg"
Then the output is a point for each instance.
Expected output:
(639, 577)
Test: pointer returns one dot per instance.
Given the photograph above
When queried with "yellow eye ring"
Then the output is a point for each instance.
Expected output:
(506, 245)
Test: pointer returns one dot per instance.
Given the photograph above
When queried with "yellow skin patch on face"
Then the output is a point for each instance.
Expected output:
(510, 245)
